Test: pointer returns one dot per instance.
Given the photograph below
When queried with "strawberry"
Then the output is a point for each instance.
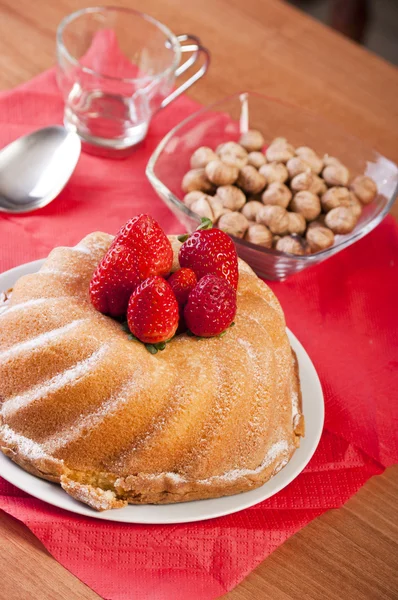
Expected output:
(211, 306)
(113, 281)
(182, 283)
(152, 314)
(152, 248)
(210, 251)
(139, 250)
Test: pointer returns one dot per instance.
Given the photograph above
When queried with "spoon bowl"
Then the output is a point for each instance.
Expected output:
(35, 168)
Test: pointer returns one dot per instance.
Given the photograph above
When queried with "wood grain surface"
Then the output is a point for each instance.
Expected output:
(269, 47)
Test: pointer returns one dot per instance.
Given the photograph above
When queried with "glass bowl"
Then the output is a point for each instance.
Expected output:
(226, 120)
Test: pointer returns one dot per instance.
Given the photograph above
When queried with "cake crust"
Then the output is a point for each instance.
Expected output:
(83, 406)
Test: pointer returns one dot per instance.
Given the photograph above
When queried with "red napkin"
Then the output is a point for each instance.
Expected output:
(343, 311)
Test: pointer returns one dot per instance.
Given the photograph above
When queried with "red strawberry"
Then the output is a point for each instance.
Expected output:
(152, 248)
(113, 281)
(139, 250)
(152, 313)
(210, 251)
(211, 306)
(182, 283)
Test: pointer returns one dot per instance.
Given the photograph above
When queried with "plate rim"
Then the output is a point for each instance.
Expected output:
(40, 488)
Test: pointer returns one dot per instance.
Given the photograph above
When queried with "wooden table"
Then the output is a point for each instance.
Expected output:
(269, 47)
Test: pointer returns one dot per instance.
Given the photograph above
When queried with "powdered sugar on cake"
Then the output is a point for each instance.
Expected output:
(279, 450)
(51, 271)
(92, 420)
(37, 342)
(25, 305)
(68, 377)
(28, 449)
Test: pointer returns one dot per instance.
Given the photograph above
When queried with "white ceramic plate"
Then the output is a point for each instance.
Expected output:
(199, 510)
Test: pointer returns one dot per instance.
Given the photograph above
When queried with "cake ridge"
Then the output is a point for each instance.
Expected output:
(49, 270)
(27, 304)
(80, 248)
(71, 375)
(28, 449)
(111, 405)
(35, 342)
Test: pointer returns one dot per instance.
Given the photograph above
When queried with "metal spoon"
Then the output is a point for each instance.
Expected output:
(35, 168)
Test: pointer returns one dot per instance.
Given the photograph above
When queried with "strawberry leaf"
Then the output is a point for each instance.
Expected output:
(155, 348)
(205, 223)
(151, 348)
(183, 238)
(160, 345)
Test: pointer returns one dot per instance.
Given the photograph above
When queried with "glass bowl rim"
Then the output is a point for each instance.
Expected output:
(346, 241)
(61, 46)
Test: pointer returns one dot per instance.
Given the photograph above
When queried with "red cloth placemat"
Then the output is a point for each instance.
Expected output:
(343, 311)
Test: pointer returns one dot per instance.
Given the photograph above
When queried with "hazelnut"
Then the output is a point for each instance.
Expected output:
(355, 205)
(274, 172)
(231, 197)
(309, 156)
(341, 220)
(296, 165)
(364, 188)
(216, 206)
(319, 238)
(302, 181)
(250, 209)
(252, 140)
(202, 208)
(259, 234)
(231, 147)
(232, 154)
(201, 157)
(224, 211)
(233, 223)
(306, 181)
(250, 180)
(320, 186)
(297, 223)
(279, 151)
(319, 222)
(277, 194)
(307, 204)
(256, 159)
(196, 179)
(221, 174)
(275, 217)
(336, 175)
(291, 245)
(191, 197)
(334, 197)
(275, 240)
(330, 160)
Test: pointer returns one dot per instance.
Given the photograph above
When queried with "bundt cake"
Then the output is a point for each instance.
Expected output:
(84, 405)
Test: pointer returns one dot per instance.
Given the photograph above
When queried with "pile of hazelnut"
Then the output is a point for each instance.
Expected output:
(284, 197)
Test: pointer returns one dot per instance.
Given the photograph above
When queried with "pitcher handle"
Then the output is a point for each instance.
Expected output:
(194, 45)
